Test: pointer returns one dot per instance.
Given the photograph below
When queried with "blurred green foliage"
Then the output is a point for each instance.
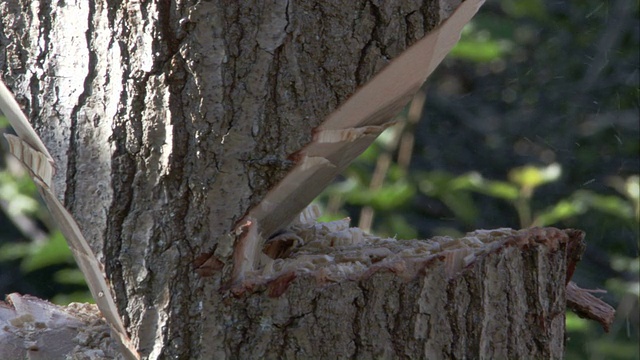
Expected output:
(33, 251)
(19, 193)
(531, 121)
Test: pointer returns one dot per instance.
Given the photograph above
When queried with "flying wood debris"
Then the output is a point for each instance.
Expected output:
(30, 150)
(347, 132)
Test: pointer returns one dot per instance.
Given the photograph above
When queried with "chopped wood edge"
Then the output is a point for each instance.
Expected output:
(584, 304)
(333, 252)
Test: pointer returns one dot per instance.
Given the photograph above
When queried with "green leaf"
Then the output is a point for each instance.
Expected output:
(392, 196)
(69, 276)
(14, 251)
(369, 156)
(632, 187)
(343, 187)
(435, 183)
(485, 39)
(462, 205)
(610, 204)
(531, 177)
(525, 8)
(580, 202)
(468, 181)
(396, 173)
(453, 192)
(78, 296)
(500, 189)
(562, 210)
(478, 51)
(19, 193)
(54, 251)
(389, 196)
(328, 216)
(398, 227)
(575, 323)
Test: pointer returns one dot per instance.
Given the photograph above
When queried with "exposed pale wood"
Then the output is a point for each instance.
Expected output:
(36, 329)
(40, 166)
(19, 122)
(351, 128)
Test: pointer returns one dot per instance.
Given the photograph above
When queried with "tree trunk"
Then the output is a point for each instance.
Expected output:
(169, 121)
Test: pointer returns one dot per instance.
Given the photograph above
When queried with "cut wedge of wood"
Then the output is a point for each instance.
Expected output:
(30, 150)
(349, 130)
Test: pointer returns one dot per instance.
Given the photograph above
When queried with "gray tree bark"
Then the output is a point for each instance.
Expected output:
(168, 121)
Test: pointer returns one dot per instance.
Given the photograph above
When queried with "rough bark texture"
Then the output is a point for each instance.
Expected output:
(344, 294)
(169, 120)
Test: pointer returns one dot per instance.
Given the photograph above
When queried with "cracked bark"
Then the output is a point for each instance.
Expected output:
(168, 121)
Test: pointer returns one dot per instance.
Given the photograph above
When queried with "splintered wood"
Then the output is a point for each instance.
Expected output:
(30, 150)
(503, 291)
(584, 304)
(335, 252)
(351, 128)
(37, 329)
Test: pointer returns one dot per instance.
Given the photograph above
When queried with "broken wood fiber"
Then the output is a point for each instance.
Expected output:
(496, 289)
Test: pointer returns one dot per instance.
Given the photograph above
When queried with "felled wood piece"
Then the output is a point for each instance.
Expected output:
(30, 150)
(35, 329)
(585, 305)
